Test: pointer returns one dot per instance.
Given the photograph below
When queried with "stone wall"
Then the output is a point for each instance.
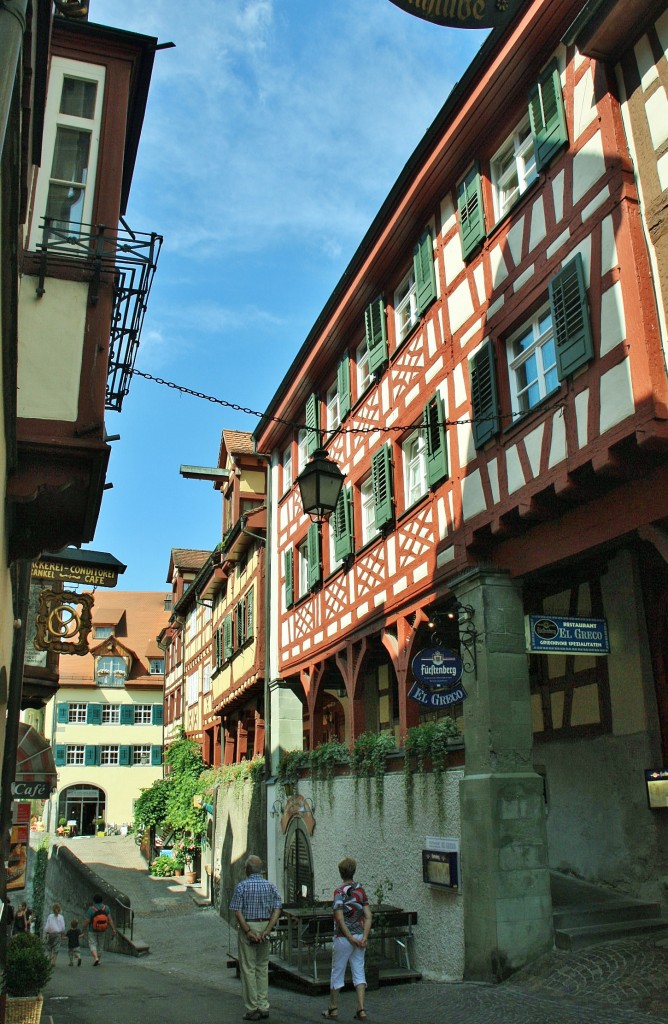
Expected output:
(239, 830)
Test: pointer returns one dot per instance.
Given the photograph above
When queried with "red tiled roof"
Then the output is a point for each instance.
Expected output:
(188, 558)
(238, 442)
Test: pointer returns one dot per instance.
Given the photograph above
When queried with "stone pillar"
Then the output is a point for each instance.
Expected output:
(287, 721)
(505, 876)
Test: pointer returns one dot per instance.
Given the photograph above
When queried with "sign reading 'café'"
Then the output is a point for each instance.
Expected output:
(462, 13)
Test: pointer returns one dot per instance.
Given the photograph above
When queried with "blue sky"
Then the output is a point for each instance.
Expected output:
(273, 133)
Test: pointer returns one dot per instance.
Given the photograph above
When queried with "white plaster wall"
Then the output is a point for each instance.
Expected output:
(389, 845)
(51, 337)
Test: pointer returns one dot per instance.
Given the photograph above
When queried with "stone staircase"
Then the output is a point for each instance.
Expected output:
(585, 914)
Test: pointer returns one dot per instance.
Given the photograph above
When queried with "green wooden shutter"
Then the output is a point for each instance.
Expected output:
(471, 213)
(381, 477)
(437, 449)
(59, 754)
(342, 525)
(124, 755)
(156, 755)
(227, 638)
(314, 570)
(240, 614)
(250, 612)
(219, 647)
(127, 714)
(94, 714)
(312, 424)
(157, 714)
(376, 333)
(343, 386)
(91, 756)
(570, 318)
(63, 714)
(288, 563)
(425, 276)
(484, 401)
(547, 116)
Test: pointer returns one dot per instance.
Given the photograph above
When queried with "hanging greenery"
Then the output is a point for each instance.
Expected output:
(368, 761)
(232, 776)
(323, 760)
(290, 767)
(428, 741)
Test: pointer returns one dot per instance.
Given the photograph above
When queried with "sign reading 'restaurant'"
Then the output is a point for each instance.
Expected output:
(437, 673)
(555, 634)
(462, 13)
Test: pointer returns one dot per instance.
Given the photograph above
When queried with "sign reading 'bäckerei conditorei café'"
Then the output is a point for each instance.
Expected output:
(437, 672)
(462, 13)
(556, 634)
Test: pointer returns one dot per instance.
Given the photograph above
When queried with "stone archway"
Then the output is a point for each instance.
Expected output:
(83, 804)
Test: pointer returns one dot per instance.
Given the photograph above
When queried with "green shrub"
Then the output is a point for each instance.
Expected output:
(28, 967)
(163, 866)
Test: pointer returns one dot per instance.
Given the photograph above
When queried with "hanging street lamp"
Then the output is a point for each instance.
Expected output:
(320, 484)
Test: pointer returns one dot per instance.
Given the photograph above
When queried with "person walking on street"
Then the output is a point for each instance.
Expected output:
(352, 924)
(257, 907)
(54, 929)
(74, 934)
(98, 919)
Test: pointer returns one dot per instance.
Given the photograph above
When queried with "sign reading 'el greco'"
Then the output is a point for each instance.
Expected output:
(462, 13)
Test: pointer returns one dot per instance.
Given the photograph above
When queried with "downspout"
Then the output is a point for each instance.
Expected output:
(12, 30)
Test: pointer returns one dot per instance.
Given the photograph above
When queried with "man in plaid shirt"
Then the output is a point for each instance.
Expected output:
(257, 907)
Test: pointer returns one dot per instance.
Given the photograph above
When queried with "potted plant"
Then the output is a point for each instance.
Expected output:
(99, 826)
(27, 970)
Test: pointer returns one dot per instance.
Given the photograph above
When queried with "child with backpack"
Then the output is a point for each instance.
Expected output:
(73, 936)
(98, 919)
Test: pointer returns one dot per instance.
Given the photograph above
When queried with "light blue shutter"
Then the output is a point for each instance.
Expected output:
(376, 333)
(343, 386)
(156, 755)
(127, 714)
(484, 401)
(425, 276)
(471, 214)
(547, 116)
(437, 450)
(570, 318)
(381, 478)
(288, 563)
(312, 424)
(124, 755)
(59, 754)
(314, 571)
(63, 714)
(342, 525)
(94, 714)
(157, 714)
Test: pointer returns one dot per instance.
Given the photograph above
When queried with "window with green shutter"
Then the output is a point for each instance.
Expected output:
(62, 714)
(383, 492)
(124, 755)
(228, 648)
(218, 641)
(240, 615)
(375, 330)
(127, 714)
(547, 116)
(288, 564)
(437, 449)
(343, 386)
(342, 525)
(250, 612)
(484, 401)
(471, 213)
(314, 570)
(94, 714)
(156, 755)
(312, 424)
(59, 752)
(425, 275)
(570, 318)
(91, 756)
(157, 714)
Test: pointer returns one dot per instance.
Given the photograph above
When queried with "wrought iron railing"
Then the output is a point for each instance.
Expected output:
(131, 259)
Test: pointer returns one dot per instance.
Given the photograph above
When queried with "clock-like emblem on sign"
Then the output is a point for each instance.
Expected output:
(63, 622)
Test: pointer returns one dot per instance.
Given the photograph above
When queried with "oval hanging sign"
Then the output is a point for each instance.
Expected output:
(437, 672)
(461, 13)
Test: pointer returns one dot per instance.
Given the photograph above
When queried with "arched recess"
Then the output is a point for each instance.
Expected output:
(298, 878)
(329, 706)
(83, 804)
(375, 705)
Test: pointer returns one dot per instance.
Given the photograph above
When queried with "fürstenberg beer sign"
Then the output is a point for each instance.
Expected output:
(462, 13)
(437, 672)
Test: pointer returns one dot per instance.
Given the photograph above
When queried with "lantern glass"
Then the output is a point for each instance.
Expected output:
(320, 484)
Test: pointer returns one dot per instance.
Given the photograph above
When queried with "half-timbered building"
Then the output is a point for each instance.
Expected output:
(489, 376)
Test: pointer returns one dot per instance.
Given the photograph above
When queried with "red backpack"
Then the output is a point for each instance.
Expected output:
(100, 919)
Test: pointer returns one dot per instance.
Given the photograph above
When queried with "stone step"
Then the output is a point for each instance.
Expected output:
(577, 915)
(592, 934)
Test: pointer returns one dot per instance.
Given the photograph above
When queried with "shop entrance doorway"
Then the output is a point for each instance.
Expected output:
(84, 805)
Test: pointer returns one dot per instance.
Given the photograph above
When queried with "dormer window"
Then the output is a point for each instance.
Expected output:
(156, 666)
(103, 632)
(111, 671)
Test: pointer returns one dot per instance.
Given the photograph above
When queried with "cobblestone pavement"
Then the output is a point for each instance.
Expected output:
(185, 976)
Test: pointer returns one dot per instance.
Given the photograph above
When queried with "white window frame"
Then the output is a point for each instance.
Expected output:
(518, 155)
(62, 68)
(113, 677)
(75, 754)
(302, 569)
(405, 306)
(369, 529)
(103, 632)
(414, 455)
(364, 375)
(76, 714)
(159, 670)
(286, 463)
(141, 754)
(543, 336)
(334, 562)
(143, 714)
(333, 408)
(111, 714)
(109, 755)
(302, 448)
(206, 678)
(193, 688)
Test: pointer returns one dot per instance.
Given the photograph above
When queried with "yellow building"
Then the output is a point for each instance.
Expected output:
(105, 723)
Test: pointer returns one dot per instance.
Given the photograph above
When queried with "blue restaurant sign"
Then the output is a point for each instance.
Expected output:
(437, 672)
(555, 634)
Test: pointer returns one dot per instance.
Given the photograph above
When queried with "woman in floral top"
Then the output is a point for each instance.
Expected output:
(352, 924)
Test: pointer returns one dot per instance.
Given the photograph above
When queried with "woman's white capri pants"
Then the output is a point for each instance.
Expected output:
(342, 952)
